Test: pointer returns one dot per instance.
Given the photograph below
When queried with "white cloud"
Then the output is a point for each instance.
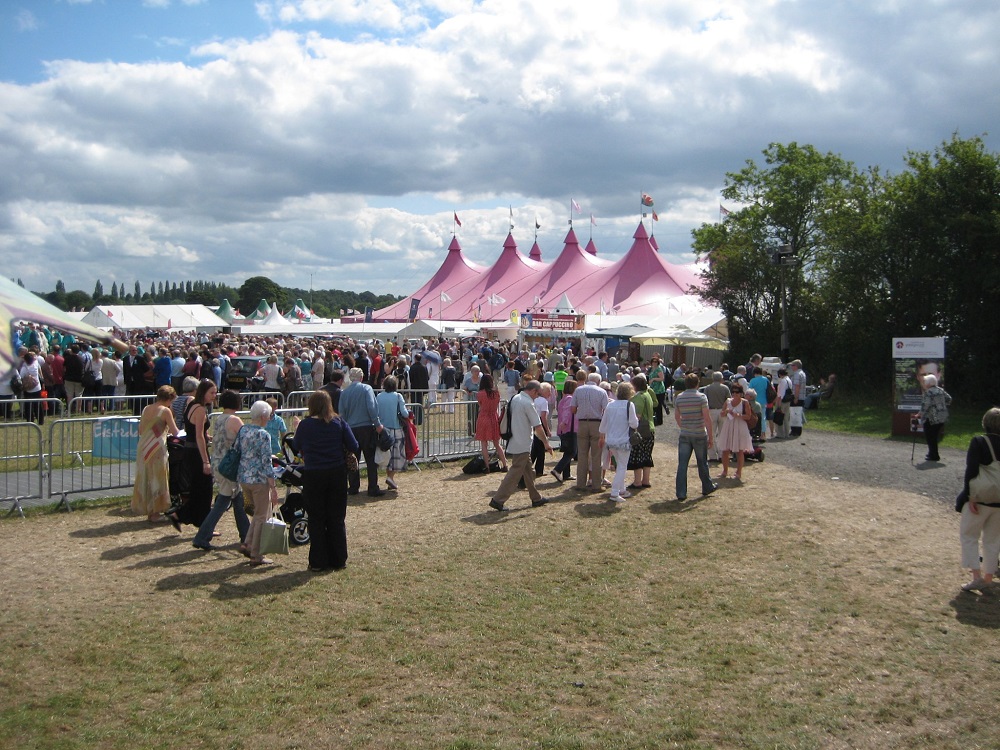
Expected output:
(341, 141)
(25, 20)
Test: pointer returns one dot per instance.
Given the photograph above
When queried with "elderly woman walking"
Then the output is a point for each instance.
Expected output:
(256, 476)
(933, 413)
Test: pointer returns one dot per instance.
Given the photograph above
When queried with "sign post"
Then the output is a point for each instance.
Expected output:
(912, 359)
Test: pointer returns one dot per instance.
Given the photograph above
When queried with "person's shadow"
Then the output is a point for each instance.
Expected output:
(978, 610)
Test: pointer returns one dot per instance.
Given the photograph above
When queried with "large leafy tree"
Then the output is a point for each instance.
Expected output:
(792, 199)
(257, 288)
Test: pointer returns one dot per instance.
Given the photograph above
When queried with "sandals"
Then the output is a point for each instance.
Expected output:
(257, 562)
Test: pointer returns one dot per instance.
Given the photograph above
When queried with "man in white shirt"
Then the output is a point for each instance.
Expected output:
(524, 424)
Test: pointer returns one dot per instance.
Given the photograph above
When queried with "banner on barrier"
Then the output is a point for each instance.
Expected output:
(117, 438)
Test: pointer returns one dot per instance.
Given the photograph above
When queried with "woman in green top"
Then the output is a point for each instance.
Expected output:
(640, 460)
(658, 385)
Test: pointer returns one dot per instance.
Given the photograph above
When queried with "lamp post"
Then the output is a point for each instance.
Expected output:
(783, 256)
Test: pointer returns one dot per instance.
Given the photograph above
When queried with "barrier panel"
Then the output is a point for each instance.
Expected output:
(88, 454)
(28, 409)
(447, 430)
(118, 405)
(251, 397)
(21, 464)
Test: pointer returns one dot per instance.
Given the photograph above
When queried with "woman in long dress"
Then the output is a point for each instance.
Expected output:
(197, 461)
(151, 493)
(734, 437)
(488, 421)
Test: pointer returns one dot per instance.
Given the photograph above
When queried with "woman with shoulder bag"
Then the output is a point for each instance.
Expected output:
(391, 410)
(225, 429)
(256, 476)
(640, 459)
(979, 504)
(324, 440)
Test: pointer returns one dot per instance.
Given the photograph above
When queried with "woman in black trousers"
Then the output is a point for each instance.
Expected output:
(323, 439)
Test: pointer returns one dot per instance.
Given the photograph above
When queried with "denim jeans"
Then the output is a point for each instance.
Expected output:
(686, 444)
(219, 508)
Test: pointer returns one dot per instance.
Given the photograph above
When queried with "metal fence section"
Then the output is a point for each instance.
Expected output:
(29, 409)
(101, 404)
(447, 429)
(91, 454)
(22, 467)
(251, 397)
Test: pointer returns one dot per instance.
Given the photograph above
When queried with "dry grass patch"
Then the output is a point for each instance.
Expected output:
(788, 612)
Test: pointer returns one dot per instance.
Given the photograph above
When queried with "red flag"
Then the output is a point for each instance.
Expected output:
(647, 200)
(655, 217)
(723, 211)
(456, 220)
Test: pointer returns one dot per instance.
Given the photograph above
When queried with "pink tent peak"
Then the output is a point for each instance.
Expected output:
(591, 247)
(536, 252)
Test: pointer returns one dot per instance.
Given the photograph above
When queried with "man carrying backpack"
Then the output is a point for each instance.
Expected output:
(524, 423)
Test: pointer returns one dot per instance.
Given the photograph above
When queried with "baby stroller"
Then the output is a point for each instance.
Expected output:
(288, 471)
(757, 454)
(178, 481)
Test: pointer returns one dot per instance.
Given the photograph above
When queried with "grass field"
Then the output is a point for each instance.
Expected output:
(748, 619)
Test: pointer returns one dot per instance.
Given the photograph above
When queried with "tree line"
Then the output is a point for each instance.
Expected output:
(325, 303)
(872, 256)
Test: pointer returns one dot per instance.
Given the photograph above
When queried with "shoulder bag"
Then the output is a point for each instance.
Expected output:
(634, 438)
(350, 460)
(985, 486)
(229, 466)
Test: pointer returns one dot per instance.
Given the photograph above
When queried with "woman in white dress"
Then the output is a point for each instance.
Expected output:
(734, 437)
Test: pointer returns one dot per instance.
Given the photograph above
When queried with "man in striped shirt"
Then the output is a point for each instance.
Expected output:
(692, 416)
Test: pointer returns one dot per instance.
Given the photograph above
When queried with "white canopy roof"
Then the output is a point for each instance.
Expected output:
(161, 317)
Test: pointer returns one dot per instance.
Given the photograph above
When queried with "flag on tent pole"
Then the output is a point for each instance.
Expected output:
(445, 297)
(655, 217)
(496, 299)
(414, 306)
(456, 219)
(593, 221)
(576, 206)
(723, 212)
(511, 209)
(537, 225)
(647, 200)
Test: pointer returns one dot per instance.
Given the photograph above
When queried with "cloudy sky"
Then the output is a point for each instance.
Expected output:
(186, 139)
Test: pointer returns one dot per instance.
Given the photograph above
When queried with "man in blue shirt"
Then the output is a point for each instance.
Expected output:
(359, 410)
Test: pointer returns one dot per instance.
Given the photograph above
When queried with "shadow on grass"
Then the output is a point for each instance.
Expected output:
(602, 508)
(978, 610)
(238, 581)
(493, 517)
(677, 506)
(113, 529)
(929, 465)
(160, 545)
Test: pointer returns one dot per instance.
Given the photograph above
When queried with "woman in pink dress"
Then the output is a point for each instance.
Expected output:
(488, 422)
(734, 437)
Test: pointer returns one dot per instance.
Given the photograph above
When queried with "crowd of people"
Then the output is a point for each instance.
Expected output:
(603, 411)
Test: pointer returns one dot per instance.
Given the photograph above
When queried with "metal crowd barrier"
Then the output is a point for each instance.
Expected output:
(26, 409)
(104, 404)
(251, 397)
(88, 454)
(22, 463)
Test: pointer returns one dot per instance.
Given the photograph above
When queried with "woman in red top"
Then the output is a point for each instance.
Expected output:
(488, 422)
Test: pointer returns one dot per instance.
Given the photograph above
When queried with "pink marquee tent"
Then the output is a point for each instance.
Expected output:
(640, 283)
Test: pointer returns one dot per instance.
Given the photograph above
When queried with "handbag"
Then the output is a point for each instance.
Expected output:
(645, 431)
(274, 536)
(350, 460)
(229, 466)
(778, 418)
(634, 438)
(385, 441)
(985, 486)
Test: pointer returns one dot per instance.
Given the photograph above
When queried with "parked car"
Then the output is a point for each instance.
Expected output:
(241, 374)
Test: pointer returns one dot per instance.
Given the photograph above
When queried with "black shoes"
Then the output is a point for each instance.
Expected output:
(376, 493)
(206, 547)
(539, 503)
(497, 506)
